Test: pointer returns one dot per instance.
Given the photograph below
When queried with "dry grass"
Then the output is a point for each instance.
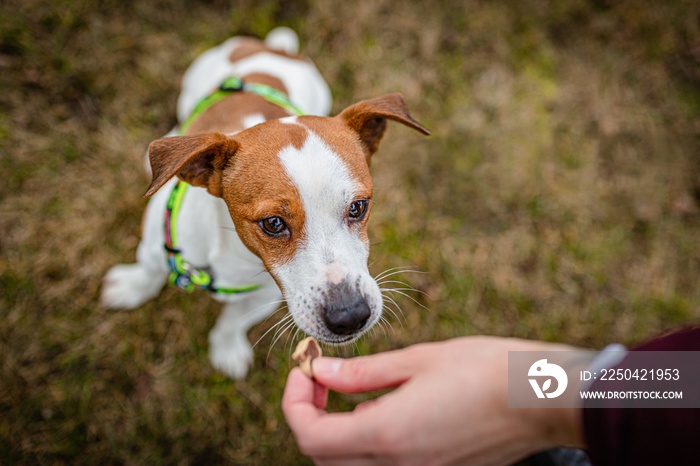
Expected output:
(557, 199)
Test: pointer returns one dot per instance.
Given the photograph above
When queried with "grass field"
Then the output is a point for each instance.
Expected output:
(558, 198)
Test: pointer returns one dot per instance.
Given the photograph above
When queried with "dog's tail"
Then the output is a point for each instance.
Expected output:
(284, 39)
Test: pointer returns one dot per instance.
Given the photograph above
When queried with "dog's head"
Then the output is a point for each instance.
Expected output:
(299, 192)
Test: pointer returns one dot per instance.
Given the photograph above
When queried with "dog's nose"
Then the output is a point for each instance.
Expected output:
(344, 318)
(346, 310)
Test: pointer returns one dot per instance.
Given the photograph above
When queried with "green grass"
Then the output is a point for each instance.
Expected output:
(558, 199)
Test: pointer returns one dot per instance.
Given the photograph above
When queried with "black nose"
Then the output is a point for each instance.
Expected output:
(344, 318)
(346, 311)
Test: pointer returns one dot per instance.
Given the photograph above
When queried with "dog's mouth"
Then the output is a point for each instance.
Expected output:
(337, 340)
(340, 340)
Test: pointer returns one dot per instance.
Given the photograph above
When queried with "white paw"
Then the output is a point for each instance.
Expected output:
(232, 356)
(127, 286)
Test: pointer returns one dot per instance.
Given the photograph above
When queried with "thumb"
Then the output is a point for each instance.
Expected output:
(365, 373)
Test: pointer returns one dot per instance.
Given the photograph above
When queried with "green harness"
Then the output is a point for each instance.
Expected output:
(183, 274)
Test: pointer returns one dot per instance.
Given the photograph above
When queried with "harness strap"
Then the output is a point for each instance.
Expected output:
(234, 84)
(183, 274)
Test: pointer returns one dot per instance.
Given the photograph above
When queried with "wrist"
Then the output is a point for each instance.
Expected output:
(561, 426)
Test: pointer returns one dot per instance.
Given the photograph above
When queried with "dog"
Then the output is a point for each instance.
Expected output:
(259, 197)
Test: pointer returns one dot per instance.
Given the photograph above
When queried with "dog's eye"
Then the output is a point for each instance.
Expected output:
(358, 209)
(274, 226)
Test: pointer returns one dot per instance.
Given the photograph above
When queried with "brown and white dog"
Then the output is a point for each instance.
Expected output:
(278, 201)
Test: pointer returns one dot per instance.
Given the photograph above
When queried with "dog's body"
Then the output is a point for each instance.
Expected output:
(277, 202)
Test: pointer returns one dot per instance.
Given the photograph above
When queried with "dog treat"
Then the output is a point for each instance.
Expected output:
(304, 354)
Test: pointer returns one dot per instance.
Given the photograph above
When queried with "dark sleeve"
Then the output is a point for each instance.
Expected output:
(634, 436)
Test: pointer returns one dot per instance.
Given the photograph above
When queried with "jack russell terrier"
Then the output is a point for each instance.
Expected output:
(258, 202)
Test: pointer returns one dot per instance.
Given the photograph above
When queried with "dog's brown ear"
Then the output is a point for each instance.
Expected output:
(368, 119)
(198, 159)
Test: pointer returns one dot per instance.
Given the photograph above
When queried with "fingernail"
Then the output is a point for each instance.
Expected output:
(327, 365)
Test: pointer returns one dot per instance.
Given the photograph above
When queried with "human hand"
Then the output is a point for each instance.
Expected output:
(450, 405)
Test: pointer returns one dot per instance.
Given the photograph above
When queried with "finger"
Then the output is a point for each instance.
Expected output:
(300, 388)
(365, 405)
(305, 388)
(335, 435)
(319, 433)
(359, 460)
(365, 373)
(320, 396)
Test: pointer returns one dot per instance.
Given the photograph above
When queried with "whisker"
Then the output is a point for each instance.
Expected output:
(406, 287)
(382, 274)
(373, 331)
(389, 272)
(270, 303)
(383, 322)
(393, 313)
(386, 280)
(282, 321)
(280, 308)
(403, 270)
(396, 271)
(398, 290)
(291, 342)
(282, 331)
(398, 282)
(277, 327)
(279, 332)
(398, 308)
(408, 296)
(286, 340)
(395, 316)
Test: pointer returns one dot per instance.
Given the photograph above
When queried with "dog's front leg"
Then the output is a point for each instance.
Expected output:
(229, 348)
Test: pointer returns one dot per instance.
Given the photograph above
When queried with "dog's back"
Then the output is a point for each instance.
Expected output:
(276, 57)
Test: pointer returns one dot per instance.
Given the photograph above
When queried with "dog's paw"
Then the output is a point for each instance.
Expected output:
(127, 286)
(233, 357)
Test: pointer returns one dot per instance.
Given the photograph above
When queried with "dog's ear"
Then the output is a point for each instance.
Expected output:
(198, 159)
(368, 119)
